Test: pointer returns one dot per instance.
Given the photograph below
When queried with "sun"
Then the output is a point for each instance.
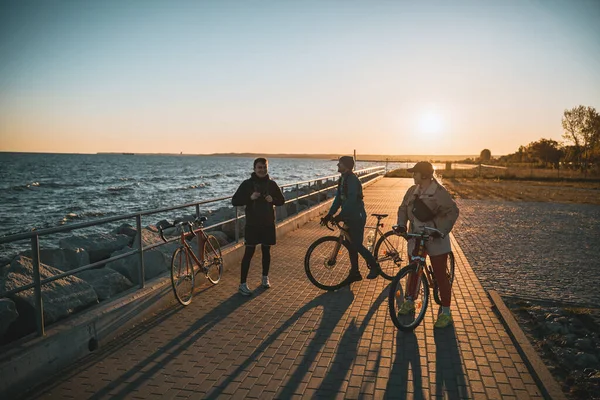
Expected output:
(431, 122)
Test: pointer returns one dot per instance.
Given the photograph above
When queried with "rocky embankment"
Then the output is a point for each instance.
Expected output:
(69, 295)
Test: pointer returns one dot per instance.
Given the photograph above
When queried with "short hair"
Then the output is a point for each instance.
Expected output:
(261, 160)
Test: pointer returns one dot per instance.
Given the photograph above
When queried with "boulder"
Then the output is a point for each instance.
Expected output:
(221, 237)
(105, 281)
(60, 298)
(8, 313)
(99, 245)
(281, 213)
(155, 262)
(63, 259)
(229, 228)
(127, 230)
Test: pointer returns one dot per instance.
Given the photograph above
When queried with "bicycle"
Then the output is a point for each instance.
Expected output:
(184, 261)
(327, 260)
(412, 284)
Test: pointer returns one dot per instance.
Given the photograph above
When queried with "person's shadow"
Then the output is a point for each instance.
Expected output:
(334, 306)
(450, 380)
(347, 351)
(407, 359)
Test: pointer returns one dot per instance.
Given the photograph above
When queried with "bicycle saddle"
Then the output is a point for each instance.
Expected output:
(380, 215)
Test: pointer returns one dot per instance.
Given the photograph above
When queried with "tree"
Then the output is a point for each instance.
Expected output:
(582, 128)
(485, 155)
(546, 151)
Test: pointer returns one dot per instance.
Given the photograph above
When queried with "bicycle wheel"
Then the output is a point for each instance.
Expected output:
(213, 261)
(405, 316)
(390, 251)
(449, 274)
(327, 263)
(182, 275)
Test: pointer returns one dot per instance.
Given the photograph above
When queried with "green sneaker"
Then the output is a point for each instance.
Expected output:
(443, 321)
(406, 307)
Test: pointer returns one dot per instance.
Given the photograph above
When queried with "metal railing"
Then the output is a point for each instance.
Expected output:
(34, 236)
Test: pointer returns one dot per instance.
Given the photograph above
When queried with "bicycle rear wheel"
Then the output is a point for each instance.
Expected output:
(213, 261)
(182, 275)
(449, 274)
(390, 251)
(327, 263)
(405, 316)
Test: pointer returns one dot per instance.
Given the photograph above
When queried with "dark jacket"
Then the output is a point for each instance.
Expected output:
(349, 197)
(259, 212)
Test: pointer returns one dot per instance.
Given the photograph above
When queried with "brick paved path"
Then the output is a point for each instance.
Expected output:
(294, 340)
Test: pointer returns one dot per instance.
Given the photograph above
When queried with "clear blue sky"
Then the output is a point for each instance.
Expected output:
(381, 77)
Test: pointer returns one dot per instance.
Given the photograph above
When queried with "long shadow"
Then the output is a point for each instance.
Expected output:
(347, 351)
(407, 359)
(334, 306)
(176, 346)
(450, 380)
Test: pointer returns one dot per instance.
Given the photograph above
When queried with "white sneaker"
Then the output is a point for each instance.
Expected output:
(265, 282)
(245, 290)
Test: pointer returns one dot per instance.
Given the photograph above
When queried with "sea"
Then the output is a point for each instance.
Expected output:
(40, 191)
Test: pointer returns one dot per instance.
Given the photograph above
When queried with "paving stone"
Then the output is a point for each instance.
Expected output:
(294, 340)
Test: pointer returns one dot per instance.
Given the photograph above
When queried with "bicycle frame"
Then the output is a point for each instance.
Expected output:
(202, 240)
(420, 261)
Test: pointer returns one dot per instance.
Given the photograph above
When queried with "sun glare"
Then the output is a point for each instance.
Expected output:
(430, 122)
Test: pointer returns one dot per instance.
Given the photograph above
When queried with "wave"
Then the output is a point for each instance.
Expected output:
(119, 189)
(38, 185)
(196, 186)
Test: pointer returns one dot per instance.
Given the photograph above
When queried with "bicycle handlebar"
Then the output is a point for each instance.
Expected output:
(188, 223)
(423, 234)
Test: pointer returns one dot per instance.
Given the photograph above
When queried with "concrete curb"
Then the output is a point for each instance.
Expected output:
(544, 379)
(28, 361)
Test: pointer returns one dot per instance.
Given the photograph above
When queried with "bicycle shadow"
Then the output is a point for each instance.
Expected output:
(334, 307)
(450, 379)
(408, 359)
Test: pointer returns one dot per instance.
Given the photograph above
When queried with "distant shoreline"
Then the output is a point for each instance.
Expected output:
(360, 157)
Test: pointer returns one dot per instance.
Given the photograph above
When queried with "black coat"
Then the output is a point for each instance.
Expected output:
(259, 212)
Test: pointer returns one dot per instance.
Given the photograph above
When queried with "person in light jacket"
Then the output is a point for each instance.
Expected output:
(443, 214)
(259, 194)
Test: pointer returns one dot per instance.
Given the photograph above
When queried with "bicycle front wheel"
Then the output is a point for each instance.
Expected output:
(327, 263)
(213, 261)
(390, 252)
(182, 275)
(449, 274)
(408, 298)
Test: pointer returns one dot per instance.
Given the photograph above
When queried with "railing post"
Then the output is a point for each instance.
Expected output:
(237, 225)
(37, 289)
(138, 223)
(197, 211)
(297, 195)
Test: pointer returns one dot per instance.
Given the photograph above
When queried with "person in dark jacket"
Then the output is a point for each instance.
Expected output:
(260, 194)
(349, 197)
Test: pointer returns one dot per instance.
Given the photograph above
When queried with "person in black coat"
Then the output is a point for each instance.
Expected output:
(259, 194)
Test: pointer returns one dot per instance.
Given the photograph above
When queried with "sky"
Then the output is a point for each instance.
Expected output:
(378, 77)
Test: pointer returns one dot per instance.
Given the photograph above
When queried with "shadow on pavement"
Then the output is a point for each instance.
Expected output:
(450, 380)
(408, 359)
(135, 377)
(334, 307)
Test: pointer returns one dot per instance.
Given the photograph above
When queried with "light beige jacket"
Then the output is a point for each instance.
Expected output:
(437, 198)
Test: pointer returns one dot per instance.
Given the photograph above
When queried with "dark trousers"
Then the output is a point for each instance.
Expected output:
(356, 231)
(266, 261)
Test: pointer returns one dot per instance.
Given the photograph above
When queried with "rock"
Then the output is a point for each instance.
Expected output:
(63, 259)
(584, 344)
(61, 298)
(155, 262)
(555, 327)
(229, 228)
(8, 313)
(221, 237)
(105, 281)
(586, 360)
(99, 246)
(281, 213)
(126, 230)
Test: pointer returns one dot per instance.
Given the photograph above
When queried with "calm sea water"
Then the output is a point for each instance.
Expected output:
(47, 190)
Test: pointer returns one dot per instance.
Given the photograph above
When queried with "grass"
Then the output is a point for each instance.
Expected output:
(512, 188)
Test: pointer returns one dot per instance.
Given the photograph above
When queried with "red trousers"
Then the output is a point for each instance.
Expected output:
(439, 270)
